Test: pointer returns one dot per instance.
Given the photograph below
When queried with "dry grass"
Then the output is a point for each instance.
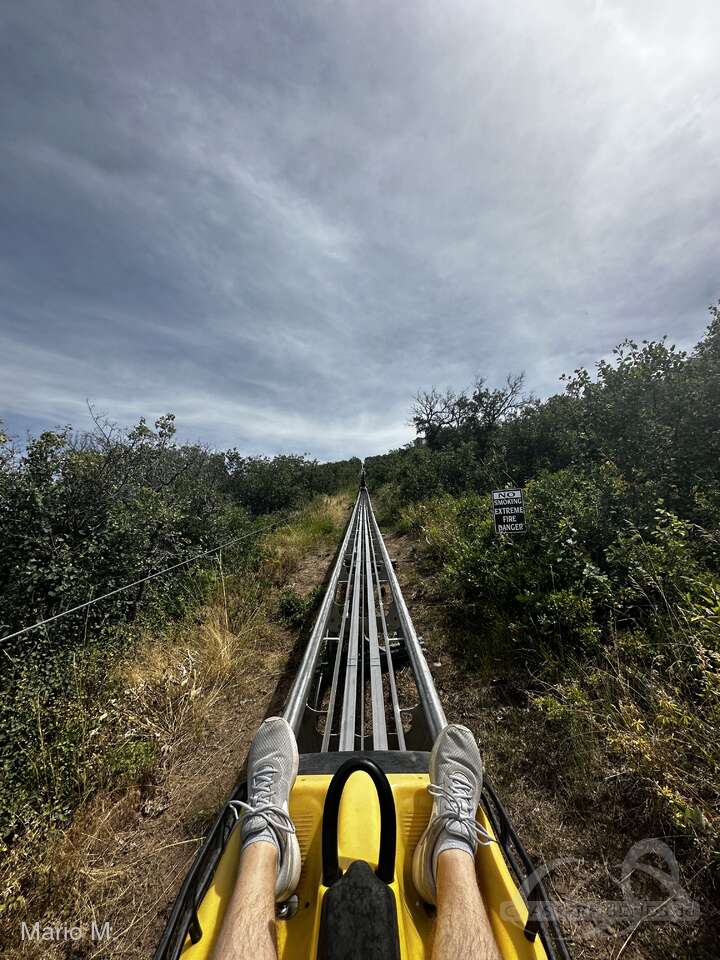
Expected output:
(186, 704)
(320, 525)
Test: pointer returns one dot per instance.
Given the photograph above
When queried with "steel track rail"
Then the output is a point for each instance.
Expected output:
(347, 720)
(330, 716)
(379, 726)
(432, 708)
(399, 732)
(345, 665)
(298, 696)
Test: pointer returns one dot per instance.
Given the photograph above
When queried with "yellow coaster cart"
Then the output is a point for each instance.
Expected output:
(360, 801)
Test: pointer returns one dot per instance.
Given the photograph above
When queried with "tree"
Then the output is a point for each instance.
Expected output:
(443, 419)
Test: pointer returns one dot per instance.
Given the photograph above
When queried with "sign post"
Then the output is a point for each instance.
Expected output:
(508, 511)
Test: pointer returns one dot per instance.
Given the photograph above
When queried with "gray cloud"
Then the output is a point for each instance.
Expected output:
(279, 221)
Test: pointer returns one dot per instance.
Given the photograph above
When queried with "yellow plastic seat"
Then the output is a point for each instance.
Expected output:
(358, 839)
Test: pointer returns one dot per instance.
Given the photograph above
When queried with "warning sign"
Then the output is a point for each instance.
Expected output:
(508, 511)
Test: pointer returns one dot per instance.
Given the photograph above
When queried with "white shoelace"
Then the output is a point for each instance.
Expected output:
(272, 815)
(459, 818)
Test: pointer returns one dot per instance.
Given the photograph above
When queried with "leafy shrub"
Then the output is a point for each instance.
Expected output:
(81, 516)
(613, 592)
(651, 412)
(295, 608)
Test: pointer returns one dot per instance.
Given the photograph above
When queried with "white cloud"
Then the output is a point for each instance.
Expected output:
(279, 223)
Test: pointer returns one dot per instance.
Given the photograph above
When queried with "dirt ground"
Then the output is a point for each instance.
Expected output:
(589, 839)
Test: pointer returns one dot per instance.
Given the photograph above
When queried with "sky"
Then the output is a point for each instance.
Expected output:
(279, 221)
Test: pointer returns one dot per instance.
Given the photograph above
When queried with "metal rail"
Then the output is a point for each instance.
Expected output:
(297, 698)
(429, 698)
(346, 695)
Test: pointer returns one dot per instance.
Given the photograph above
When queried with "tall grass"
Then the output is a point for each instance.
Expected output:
(319, 524)
(136, 709)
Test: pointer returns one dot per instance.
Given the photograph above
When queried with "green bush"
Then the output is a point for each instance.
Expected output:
(81, 515)
(613, 594)
(296, 609)
(651, 412)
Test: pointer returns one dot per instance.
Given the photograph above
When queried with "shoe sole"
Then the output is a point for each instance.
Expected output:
(293, 848)
(417, 871)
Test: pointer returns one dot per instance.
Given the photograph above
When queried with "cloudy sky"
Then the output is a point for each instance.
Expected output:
(279, 220)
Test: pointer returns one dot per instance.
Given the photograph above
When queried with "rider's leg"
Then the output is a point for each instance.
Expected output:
(270, 857)
(444, 859)
(249, 925)
(463, 926)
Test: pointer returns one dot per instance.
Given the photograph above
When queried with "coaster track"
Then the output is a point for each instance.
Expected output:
(363, 688)
(345, 696)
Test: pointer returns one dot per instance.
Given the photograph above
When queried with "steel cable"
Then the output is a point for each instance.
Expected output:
(135, 583)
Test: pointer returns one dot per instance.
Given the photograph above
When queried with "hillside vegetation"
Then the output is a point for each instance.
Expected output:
(164, 740)
(606, 614)
(81, 515)
(599, 627)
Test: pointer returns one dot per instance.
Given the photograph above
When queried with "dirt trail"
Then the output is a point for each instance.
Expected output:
(592, 842)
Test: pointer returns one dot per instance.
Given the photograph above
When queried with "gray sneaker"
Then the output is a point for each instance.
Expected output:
(456, 773)
(271, 770)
